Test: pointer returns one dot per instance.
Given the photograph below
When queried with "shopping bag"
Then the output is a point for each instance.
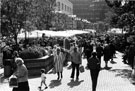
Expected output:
(13, 82)
(81, 68)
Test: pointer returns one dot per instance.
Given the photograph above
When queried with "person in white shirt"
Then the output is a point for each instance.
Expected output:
(43, 79)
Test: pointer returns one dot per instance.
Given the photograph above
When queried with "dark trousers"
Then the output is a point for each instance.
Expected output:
(94, 76)
(75, 66)
(59, 74)
(22, 86)
(99, 57)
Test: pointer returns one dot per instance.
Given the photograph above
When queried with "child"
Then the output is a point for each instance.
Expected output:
(43, 79)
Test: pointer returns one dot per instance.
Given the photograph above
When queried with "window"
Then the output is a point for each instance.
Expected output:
(58, 5)
(65, 8)
(62, 6)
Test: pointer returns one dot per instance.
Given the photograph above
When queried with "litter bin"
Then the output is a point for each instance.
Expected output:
(7, 68)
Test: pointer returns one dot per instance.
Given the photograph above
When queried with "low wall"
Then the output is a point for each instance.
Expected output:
(34, 65)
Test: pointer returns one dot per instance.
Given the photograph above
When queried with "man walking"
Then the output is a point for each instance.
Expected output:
(76, 61)
(94, 66)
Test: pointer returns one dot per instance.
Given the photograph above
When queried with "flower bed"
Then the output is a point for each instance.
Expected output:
(34, 58)
(33, 52)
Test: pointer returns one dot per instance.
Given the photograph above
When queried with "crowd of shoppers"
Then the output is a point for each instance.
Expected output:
(73, 48)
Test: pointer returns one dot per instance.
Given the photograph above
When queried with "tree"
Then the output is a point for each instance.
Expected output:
(123, 13)
(24, 14)
(13, 16)
(44, 12)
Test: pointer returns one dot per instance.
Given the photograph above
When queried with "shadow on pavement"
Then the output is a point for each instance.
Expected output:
(73, 83)
(124, 73)
(3, 80)
(106, 68)
(54, 83)
(36, 76)
(69, 67)
(113, 62)
(51, 72)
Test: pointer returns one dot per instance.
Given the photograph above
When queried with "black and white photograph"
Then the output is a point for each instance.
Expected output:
(67, 45)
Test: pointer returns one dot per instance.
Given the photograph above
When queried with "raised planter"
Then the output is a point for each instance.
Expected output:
(33, 65)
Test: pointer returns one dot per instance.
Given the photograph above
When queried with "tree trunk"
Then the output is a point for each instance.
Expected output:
(16, 43)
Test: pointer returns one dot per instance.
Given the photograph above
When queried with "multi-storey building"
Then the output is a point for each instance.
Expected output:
(81, 8)
(92, 10)
(97, 10)
(65, 6)
(63, 18)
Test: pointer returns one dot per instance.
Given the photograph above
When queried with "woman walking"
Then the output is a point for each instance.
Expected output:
(22, 75)
(94, 66)
(58, 63)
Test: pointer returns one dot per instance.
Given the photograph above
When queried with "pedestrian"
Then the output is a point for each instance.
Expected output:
(131, 55)
(43, 79)
(13, 64)
(58, 63)
(125, 56)
(107, 55)
(76, 61)
(133, 70)
(99, 50)
(112, 51)
(88, 50)
(94, 66)
(22, 76)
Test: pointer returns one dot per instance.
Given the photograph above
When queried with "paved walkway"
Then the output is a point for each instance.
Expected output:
(114, 79)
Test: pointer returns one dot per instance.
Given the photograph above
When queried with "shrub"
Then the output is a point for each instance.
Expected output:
(33, 52)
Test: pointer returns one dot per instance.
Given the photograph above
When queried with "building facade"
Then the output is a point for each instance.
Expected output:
(80, 8)
(97, 10)
(92, 10)
(63, 12)
(65, 6)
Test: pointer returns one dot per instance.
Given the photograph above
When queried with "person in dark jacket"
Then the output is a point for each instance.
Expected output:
(112, 51)
(107, 55)
(99, 50)
(125, 55)
(94, 66)
(88, 50)
(131, 55)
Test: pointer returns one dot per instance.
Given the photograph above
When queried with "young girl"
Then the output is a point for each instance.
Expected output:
(43, 79)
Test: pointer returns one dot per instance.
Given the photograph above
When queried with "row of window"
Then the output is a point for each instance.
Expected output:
(64, 7)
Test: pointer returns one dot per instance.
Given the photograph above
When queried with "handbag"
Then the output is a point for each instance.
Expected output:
(81, 68)
(13, 82)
